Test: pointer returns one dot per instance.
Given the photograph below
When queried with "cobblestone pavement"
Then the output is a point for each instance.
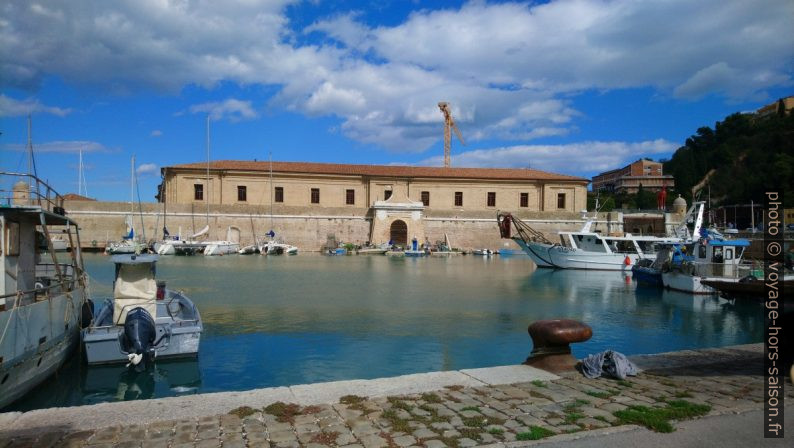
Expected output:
(455, 416)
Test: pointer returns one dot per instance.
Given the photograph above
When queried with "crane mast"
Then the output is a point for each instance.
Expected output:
(449, 124)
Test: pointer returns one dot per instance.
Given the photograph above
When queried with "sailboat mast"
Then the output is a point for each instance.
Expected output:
(132, 184)
(270, 160)
(208, 170)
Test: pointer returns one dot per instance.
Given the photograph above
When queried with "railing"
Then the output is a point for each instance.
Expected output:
(721, 270)
(27, 189)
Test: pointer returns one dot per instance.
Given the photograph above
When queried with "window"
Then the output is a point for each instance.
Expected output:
(491, 199)
(279, 194)
(242, 193)
(458, 199)
(426, 198)
(386, 195)
(560, 200)
(350, 197)
(315, 195)
(524, 201)
(198, 192)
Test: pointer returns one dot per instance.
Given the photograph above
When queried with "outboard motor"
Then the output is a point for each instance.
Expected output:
(139, 334)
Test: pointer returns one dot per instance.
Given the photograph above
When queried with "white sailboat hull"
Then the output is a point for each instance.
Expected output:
(555, 256)
(221, 248)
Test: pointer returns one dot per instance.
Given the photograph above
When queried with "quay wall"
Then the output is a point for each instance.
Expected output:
(306, 227)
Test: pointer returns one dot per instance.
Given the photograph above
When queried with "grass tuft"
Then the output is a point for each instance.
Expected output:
(243, 411)
(285, 412)
(471, 408)
(325, 438)
(658, 419)
(538, 383)
(534, 433)
(598, 394)
(431, 398)
(351, 399)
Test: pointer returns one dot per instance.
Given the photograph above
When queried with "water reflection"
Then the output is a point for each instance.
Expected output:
(274, 321)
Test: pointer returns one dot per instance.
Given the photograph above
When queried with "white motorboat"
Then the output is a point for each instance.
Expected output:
(276, 248)
(710, 259)
(248, 250)
(42, 296)
(586, 249)
(143, 320)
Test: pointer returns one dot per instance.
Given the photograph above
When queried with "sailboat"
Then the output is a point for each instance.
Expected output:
(272, 246)
(219, 247)
(128, 245)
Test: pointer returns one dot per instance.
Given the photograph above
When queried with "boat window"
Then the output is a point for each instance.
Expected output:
(728, 253)
(701, 251)
(717, 255)
(739, 252)
(580, 238)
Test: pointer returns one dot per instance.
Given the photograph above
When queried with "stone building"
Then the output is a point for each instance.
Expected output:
(628, 179)
(397, 201)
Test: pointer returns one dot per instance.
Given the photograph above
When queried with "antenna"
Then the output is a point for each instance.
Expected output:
(208, 169)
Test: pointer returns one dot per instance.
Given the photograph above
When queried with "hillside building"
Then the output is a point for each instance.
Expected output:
(628, 179)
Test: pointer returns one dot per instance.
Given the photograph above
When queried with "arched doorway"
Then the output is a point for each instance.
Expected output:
(398, 233)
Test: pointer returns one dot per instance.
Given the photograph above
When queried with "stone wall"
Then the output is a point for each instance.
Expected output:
(101, 222)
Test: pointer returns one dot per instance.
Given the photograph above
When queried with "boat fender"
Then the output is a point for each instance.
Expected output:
(86, 313)
(139, 334)
(627, 261)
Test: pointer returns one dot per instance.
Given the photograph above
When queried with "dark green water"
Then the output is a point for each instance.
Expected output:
(274, 321)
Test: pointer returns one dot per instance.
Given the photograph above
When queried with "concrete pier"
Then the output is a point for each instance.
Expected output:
(507, 405)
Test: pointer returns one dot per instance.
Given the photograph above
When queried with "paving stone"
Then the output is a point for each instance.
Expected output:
(373, 441)
(278, 427)
(234, 444)
(592, 423)
(404, 441)
(466, 443)
(450, 434)
(208, 443)
(435, 444)
(288, 444)
(424, 433)
(282, 436)
(307, 428)
(345, 438)
(257, 438)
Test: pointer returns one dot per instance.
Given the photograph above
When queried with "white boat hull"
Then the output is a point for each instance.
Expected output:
(221, 248)
(27, 360)
(555, 256)
(684, 282)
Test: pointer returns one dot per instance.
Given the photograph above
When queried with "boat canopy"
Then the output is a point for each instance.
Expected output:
(135, 285)
(739, 243)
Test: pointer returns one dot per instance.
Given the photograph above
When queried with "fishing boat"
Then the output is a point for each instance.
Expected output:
(374, 250)
(711, 258)
(143, 320)
(587, 249)
(483, 252)
(249, 250)
(276, 248)
(43, 295)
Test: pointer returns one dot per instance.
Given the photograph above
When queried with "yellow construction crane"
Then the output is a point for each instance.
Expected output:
(449, 123)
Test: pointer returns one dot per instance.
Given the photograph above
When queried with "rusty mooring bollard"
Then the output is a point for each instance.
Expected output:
(550, 343)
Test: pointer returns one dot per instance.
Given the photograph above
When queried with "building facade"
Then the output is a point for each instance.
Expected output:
(397, 199)
(628, 179)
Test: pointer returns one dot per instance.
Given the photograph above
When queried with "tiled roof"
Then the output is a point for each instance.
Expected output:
(76, 197)
(381, 170)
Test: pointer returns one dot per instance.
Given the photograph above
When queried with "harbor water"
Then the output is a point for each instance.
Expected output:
(276, 321)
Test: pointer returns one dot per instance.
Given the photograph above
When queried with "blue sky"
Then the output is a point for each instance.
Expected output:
(570, 86)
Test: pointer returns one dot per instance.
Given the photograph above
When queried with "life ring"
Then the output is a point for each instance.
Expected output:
(93, 243)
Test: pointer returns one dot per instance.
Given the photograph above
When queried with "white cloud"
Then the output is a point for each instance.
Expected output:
(599, 156)
(510, 70)
(60, 146)
(156, 133)
(10, 107)
(232, 109)
(147, 169)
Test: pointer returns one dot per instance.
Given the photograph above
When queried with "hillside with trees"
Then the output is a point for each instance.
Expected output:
(740, 159)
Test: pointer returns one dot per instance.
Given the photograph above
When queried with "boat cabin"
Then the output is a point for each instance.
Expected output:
(32, 271)
(717, 258)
